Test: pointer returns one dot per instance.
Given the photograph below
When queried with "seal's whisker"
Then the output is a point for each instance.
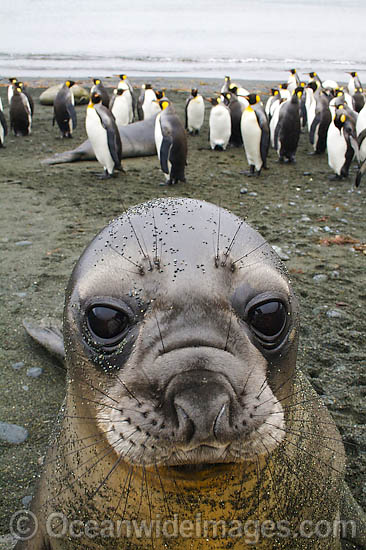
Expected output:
(144, 254)
(287, 431)
(280, 400)
(139, 267)
(129, 474)
(149, 504)
(129, 481)
(310, 434)
(97, 403)
(276, 389)
(69, 485)
(80, 448)
(103, 482)
(130, 393)
(87, 383)
(228, 249)
(310, 454)
(250, 252)
(247, 380)
(165, 499)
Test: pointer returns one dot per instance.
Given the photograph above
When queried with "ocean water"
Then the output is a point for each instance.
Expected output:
(205, 38)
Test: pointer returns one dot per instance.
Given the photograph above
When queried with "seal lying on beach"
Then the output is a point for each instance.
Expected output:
(186, 424)
(138, 140)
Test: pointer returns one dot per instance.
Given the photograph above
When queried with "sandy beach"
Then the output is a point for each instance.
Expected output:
(50, 213)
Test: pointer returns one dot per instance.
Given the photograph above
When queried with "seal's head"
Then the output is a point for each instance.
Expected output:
(181, 334)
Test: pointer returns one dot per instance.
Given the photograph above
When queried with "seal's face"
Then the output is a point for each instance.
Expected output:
(181, 335)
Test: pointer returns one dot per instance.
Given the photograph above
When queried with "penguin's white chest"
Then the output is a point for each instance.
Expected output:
(149, 106)
(195, 113)
(337, 147)
(220, 126)
(121, 110)
(98, 139)
(251, 134)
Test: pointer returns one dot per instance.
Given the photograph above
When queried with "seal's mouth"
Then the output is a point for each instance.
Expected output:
(196, 468)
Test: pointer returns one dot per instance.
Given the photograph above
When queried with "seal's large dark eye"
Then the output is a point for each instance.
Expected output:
(107, 323)
(268, 320)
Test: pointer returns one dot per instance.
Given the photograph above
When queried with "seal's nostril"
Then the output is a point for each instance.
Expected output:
(185, 425)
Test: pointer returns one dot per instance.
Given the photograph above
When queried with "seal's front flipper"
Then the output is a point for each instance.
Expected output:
(48, 334)
(353, 519)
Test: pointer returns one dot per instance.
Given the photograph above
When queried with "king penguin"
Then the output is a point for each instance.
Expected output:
(293, 81)
(219, 124)
(354, 82)
(103, 135)
(147, 105)
(287, 132)
(255, 134)
(64, 110)
(3, 125)
(195, 112)
(13, 81)
(341, 144)
(125, 84)
(20, 114)
(319, 126)
(361, 140)
(171, 143)
(119, 107)
(100, 89)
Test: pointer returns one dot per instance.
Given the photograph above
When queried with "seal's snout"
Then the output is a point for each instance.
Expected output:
(201, 404)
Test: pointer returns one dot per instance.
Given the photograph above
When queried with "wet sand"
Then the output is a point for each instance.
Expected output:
(58, 210)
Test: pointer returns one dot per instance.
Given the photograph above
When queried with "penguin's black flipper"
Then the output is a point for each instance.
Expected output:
(265, 138)
(3, 123)
(165, 149)
(72, 114)
(313, 128)
(361, 137)
(113, 137)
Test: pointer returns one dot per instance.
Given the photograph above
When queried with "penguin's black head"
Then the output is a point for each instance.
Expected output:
(274, 91)
(227, 98)
(293, 71)
(122, 76)
(227, 78)
(312, 74)
(97, 81)
(214, 101)
(147, 86)
(69, 83)
(95, 98)
(284, 86)
(312, 85)
(160, 94)
(353, 74)
(13, 80)
(233, 89)
(194, 92)
(164, 103)
(253, 99)
(340, 118)
(298, 91)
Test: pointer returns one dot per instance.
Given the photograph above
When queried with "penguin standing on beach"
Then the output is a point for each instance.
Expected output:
(236, 109)
(270, 104)
(354, 82)
(358, 100)
(13, 81)
(226, 85)
(125, 84)
(361, 141)
(320, 124)
(195, 112)
(147, 105)
(255, 134)
(119, 107)
(341, 144)
(27, 94)
(20, 113)
(104, 136)
(287, 132)
(171, 143)
(64, 110)
(99, 88)
(293, 81)
(3, 125)
(219, 124)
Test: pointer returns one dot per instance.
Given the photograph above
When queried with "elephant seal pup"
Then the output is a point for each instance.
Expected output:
(186, 424)
(138, 140)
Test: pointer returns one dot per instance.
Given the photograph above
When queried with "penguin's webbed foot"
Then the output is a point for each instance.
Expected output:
(335, 177)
